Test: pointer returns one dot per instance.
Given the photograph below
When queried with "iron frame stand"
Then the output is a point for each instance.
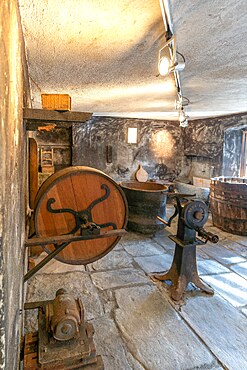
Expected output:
(184, 266)
(183, 270)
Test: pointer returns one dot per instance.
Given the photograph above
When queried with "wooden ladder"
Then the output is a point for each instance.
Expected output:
(47, 159)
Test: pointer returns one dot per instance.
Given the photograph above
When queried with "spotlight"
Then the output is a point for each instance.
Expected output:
(164, 66)
(167, 65)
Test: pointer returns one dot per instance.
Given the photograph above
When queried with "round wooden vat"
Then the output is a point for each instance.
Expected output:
(84, 192)
(146, 201)
(228, 204)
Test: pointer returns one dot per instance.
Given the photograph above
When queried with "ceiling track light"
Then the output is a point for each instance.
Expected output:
(166, 64)
(181, 102)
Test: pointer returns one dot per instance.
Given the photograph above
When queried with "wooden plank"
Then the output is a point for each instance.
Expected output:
(35, 118)
(65, 238)
(34, 305)
(243, 157)
(33, 171)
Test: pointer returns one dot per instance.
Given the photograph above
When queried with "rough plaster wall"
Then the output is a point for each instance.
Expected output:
(212, 36)
(204, 142)
(101, 52)
(109, 50)
(159, 148)
(12, 183)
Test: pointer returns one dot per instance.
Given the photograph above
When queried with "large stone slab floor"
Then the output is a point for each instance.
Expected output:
(137, 325)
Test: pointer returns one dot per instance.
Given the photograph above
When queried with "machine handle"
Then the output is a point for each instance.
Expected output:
(168, 223)
(213, 238)
(162, 220)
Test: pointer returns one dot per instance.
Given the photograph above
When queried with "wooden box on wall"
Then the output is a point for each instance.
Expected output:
(56, 102)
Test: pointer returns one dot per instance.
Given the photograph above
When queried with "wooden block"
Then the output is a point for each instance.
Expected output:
(48, 169)
(30, 362)
(56, 102)
(31, 263)
(31, 338)
(30, 352)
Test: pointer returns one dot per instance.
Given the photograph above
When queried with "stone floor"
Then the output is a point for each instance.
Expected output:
(137, 325)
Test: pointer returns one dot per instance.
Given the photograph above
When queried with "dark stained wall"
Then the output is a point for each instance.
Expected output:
(12, 182)
(159, 149)
(165, 150)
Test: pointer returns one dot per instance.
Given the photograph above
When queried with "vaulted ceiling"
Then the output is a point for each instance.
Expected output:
(104, 54)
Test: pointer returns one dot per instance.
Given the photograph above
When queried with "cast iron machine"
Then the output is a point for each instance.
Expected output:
(64, 340)
(191, 218)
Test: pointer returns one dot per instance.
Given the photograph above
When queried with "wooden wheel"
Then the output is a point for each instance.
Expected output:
(73, 194)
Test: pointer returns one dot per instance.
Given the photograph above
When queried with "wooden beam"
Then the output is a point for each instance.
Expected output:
(33, 171)
(35, 118)
(243, 158)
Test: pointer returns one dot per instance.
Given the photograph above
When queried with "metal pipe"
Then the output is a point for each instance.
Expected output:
(42, 263)
(166, 14)
(72, 238)
(66, 239)
(167, 19)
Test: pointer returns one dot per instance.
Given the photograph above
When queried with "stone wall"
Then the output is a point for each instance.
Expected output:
(12, 182)
(206, 148)
(213, 145)
(159, 149)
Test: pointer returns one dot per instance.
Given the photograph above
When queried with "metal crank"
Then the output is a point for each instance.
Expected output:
(83, 218)
(191, 218)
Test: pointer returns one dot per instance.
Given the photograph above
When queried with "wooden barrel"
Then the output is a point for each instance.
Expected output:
(89, 193)
(228, 204)
(146, 201)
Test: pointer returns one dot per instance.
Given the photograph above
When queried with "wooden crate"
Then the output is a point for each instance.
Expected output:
(56, 102)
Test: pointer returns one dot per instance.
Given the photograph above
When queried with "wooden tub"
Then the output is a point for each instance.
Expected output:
(228, 204)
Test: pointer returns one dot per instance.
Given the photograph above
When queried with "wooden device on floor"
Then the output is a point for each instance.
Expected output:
(191, 218)
(63, 341)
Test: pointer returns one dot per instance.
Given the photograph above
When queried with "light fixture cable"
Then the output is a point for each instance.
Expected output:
(166, 15)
